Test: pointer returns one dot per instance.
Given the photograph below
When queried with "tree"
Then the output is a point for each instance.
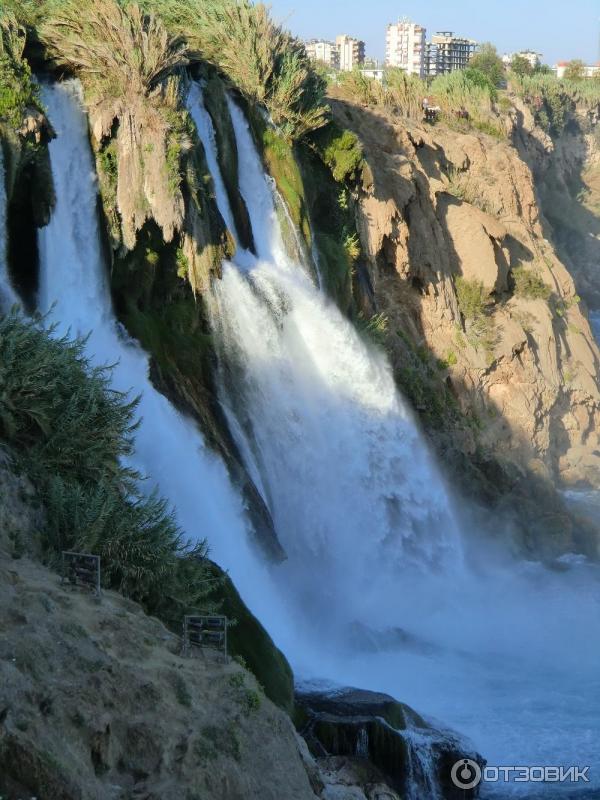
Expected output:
(521, 66)
(487, 60)
(575, 70)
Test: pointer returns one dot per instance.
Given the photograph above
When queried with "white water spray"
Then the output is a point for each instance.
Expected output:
(347, 478)
(8, 296)
(494, 649)
(169, 448)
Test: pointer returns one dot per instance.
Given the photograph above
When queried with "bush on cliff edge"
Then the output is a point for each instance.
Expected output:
(73, 433)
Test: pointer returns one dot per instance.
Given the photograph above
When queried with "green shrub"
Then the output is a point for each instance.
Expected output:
(551, 100)
(376, 327)
(474, 302)
(472, 296)
(340, 150)
(530, 285)
(265, 62)
(17, 90)
(72, 433)
(117, 49)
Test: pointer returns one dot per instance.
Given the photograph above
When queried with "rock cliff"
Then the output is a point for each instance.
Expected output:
(485, 328)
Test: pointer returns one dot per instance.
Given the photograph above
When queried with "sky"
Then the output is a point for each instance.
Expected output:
(559, 29)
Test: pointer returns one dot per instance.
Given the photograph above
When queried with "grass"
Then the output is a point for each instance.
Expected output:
(529, 284)
(17, 90)
(474, 303)
(464, 187)
(73, 435)
(255, 55)
(403, 94)
(116, 49)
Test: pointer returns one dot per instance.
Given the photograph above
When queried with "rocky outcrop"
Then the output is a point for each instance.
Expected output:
(97, 702)
(401, 754)
(566, 169)
(509, 348)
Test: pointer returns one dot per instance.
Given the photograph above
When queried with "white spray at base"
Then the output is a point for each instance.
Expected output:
(506, 652)
(8, 296)
(169, 448)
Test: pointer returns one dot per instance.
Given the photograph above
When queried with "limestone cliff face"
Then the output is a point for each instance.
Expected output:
(566, 170)
(442, 210)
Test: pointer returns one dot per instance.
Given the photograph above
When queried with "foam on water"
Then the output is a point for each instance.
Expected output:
(8, 296)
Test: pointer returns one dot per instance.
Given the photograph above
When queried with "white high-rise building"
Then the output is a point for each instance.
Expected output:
(351, 52)
(322, 50)
(535, 59)
(447, 52)
(405, 46)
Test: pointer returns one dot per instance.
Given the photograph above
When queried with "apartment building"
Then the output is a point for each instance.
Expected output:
(446, 53)
(351, 52)
(322, 50)
(535, 59)
(405, 47)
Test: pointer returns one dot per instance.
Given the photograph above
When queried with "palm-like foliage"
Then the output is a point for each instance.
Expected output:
(264, 61)
(71, 432)
(118, 48)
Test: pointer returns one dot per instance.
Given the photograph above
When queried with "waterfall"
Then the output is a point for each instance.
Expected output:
(354, 495)
(8, 296)
(376, 572)
(374, 592)
(169, 448)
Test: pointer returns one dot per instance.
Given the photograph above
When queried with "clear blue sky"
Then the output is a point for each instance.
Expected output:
(560, 29)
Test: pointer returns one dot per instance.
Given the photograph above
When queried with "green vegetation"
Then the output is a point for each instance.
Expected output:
(466, 188)
(249, 640)
(552, 100)
(266, 63)
(474, 302)
(340, 150)
(470, 90)
(418, 376)
(472, 296)
(549, 98)
(73, 433)
(529, 284)
(376, 327)
(521, 66)
(487, 61)
(575, 70)
(17, 90)
(116, 49)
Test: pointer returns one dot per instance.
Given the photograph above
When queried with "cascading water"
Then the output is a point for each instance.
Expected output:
(330, 434)
(8, 296)
(375, 593)
(169, 449)
(375, 572)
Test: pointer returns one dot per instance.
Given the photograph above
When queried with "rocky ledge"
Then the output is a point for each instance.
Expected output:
(369, 746)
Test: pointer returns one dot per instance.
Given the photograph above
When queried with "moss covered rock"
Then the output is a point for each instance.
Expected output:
(375, 728)
(249, 641)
